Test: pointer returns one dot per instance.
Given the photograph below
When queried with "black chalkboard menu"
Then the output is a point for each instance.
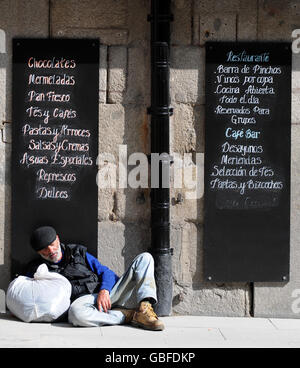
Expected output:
(55, 142)
(247, 161)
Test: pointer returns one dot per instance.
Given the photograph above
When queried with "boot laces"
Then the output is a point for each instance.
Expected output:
(148, 310)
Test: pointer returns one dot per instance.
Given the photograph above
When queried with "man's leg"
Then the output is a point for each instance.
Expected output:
(136, 284)
(139, 279)
(84, 312)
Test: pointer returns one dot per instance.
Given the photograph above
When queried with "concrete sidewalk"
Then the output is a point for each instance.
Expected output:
(180, 332)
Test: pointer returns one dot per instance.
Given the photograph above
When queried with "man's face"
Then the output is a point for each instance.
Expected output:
(52, 253)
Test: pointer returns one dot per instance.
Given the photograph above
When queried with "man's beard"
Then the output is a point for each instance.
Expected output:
(55, 258)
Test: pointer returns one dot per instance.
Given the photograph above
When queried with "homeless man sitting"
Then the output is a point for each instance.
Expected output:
(99, 296)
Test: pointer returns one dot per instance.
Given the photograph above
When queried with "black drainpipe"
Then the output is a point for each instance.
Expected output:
(160, 111)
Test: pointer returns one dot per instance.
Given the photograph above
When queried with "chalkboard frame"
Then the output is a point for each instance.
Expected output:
(241, 258)
(76, 220)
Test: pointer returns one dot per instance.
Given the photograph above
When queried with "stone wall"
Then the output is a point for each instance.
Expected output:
(124, 95)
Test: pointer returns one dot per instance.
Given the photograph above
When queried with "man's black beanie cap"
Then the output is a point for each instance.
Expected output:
(42, 237)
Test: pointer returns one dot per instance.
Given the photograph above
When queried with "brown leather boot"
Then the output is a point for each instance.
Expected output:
(128, 313)
(146, 318)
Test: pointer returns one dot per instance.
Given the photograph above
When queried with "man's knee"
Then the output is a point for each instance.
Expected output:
(75, 316)
(78, 316)
(146, 257)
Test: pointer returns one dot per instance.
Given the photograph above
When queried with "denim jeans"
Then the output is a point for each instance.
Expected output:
(136, 284)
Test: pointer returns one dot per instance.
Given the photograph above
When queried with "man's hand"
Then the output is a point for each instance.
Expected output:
(103, 300)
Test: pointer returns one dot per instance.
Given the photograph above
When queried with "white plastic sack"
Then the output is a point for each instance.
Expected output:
(43, 298)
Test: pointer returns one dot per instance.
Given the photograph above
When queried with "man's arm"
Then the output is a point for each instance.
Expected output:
(108, 280)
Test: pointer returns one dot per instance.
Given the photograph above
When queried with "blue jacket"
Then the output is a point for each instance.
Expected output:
(107, 276)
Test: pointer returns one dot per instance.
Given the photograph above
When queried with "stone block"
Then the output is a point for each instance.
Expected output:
(138, 78)
(134, 205)
(187, 260)
(1, 238)
(111, 128)
(187, 128)
(295, 70)
(117, 73)
(111, 242)
(106, 36)
(88, 14)
(191, 295)
(119, 243)
(2, 302)
(103, 74)
(225, 5)
(187, 201)
(123, 132)
(187, 75)
(214, 19)
(6, 132)
(212, 300)
(3, 65)
(276, 300)
(295, 14)
(5, 211)
(247, 21)
(123, 125)
(106, 204)
(4, 249)
(106, 20)
(139, 28)
(217, 27)
(191, 257)
(224, 21)
(212, 6)
(2, 208)
(181, 28)
(187, 172)
(136, 130)
(2, 42)
(295, 88)
(4, 217)
(274, 20)
(127, 205)
(24, 19)
(183, 129)
(295, 106)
